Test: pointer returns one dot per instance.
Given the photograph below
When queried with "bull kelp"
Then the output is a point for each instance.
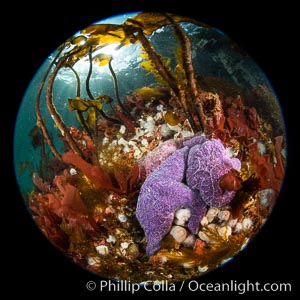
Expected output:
(156, 149)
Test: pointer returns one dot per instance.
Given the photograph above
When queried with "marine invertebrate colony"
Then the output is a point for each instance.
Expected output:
(149, 153)
(203, 162)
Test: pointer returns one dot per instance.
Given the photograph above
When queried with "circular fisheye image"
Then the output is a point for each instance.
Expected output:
(150, 147)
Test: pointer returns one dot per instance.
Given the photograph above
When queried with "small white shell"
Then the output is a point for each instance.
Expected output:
(102, 249)
(73, 171)
(111, 239)
(178, 233)
(122, 141)
(144, 142)
(124, 245)
(204, 221)
(165, 131)
(247, 223)
(93, 260)
(224, 215)
(262, 149)
(122, 218)
(211, 213)
(189, 241)
(181, 216)
(122, 129)
(238, 227)
(232, 222)
(159, 107)
(202, 269)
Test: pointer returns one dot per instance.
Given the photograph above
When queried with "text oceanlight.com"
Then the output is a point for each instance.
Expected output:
(193, 285)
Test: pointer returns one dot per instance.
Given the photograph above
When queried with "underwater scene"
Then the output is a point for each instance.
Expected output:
(150, 147)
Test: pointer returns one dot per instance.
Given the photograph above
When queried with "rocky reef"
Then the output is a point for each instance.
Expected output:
(167, 179)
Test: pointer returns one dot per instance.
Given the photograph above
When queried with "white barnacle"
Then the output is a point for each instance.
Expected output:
(122, 129)
(93, 260)
(122, 141)
(179, 233)
(111, 239)
(73, 171)
(229, 152)
(238, 227)
(182, 215)
(188, 265)
(159, 107)
(186, 133)
(105, 140)
(211, 213)
(202, 269)
(149, 125)
(137, 153)
(189, 241)
(204, 221)
(232, 222)
(102, 249)
(124, 245)
(144, 142)
(224, 215)
(122, 218)
(247, 223)
(262, 149)
(165, 131)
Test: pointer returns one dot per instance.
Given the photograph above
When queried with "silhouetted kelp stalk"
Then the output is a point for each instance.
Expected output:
(183, 83)
(186, 89)
(67, 60)
(191, 95)
(40, 122)
(78, 112)
(88, 90)
(113, 74)
(52, 110)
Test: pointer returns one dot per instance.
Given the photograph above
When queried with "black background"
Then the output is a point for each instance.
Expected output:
(31, 265)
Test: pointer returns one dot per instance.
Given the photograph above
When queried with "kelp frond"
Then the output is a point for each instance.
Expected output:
(149, 66)
(83, 105)
(149, 21)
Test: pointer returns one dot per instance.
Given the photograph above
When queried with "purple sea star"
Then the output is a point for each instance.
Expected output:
(207, 163)
(202, 162)
(161, 195)
(157, 156)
